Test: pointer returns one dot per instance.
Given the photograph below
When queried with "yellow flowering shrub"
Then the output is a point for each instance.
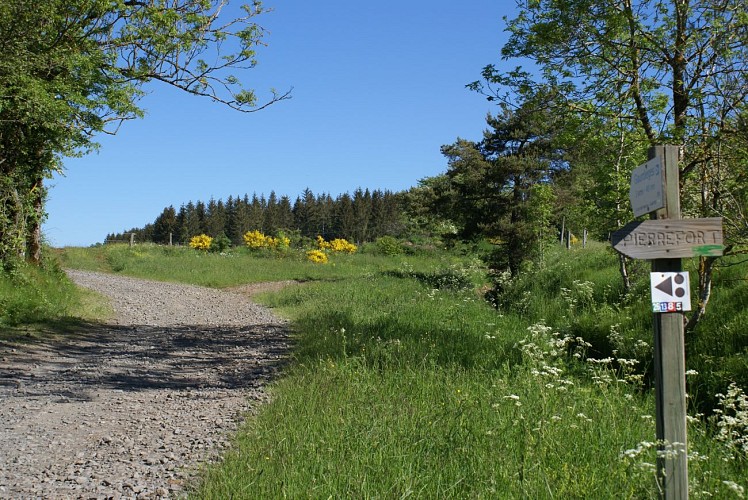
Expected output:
(336, 245)
(317, 256)
(322, 244)
(254, 239)
(201, 242)
(277, 243)
(341, 245)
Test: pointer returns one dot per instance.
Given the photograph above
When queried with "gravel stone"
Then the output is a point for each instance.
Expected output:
(134, 407)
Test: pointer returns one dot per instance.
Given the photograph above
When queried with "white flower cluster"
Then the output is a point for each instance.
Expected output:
(732, 419)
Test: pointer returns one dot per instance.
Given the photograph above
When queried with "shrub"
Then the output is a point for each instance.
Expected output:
(338, 245)
(254, 239)
(201, 242)
(277, 243)
(388, 245)
(317, 256)
(220, 244)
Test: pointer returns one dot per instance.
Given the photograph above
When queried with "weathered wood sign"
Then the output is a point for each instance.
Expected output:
(670, 238)
(646, 192)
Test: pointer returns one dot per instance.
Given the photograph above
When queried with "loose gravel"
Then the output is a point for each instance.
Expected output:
(133, 408)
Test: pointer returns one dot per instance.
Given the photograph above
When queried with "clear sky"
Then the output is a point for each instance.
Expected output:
(378, 88)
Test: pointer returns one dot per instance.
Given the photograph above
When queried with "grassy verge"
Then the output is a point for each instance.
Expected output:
(37, 301)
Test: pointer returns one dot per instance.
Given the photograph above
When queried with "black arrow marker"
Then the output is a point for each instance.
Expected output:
(666, 286)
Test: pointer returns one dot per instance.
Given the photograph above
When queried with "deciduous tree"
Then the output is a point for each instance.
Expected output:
(676, 69)
(70, 69)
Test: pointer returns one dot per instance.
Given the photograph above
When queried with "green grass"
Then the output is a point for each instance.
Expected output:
(402, 384)
(347, 431)
(240, 266)
(36, 301)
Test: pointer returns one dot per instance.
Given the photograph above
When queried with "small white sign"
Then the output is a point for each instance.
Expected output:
(671, 292)
(647, 192)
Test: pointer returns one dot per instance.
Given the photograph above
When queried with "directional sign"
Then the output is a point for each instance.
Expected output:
(647, 192)
(671, 292)
(670, 238)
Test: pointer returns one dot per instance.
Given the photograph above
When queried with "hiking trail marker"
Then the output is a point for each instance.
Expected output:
(671, 292)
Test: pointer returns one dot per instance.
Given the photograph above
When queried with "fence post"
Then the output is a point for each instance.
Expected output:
(563, 228)
(132, 239)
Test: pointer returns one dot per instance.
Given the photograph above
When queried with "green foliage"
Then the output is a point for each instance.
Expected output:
(500, 188)
(455, 277)
(369, 215)
(622, 77)
(388, 245)
(220, 244)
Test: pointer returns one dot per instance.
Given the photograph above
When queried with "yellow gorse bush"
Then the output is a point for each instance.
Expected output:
(277, 242)
(255, 240)
(201, 242)
(317, 256)
(338, 245)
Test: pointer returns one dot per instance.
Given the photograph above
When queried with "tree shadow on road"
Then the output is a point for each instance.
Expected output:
(75, 361)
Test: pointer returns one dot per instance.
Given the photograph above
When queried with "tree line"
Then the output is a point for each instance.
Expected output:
(361, 217)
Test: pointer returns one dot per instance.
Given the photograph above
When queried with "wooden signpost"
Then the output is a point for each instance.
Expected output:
(670, 238)
(664, 239)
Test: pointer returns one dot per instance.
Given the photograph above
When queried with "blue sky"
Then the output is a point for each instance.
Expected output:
(378, 88)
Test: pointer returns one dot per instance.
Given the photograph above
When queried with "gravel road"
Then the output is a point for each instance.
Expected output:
(134, 407)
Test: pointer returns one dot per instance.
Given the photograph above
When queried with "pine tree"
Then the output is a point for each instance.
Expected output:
(165, 226)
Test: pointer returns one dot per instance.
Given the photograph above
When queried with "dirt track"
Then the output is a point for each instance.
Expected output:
(131, 409)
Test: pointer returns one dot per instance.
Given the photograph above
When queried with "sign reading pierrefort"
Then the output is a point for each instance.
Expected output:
(670, 238)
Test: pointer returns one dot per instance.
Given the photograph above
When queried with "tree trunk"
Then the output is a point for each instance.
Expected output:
(34, 231)
(706, 268)
(623, 268)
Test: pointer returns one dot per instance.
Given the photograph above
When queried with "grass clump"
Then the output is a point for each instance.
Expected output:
(39, 299)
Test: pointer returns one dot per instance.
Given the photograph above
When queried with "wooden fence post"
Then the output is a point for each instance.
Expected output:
(563, 228)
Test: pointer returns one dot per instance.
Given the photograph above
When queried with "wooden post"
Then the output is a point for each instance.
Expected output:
(584, 239)
(170, 240)
(563, 228)
(132, 239)
(669, 352)
(568, 240)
